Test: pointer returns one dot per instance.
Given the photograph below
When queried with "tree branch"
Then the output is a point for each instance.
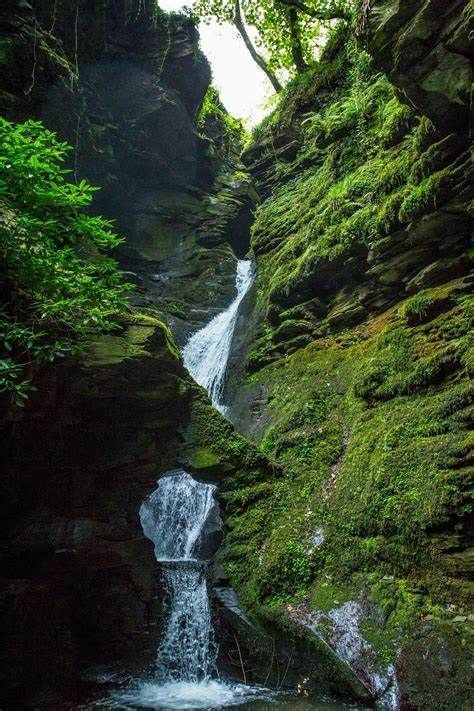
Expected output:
(328, 15)
(258, 59)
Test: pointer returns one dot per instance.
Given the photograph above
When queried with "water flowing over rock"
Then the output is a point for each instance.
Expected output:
(207, 352)
(175, 514)
(187, 651)
(351, 646)
(173, 517)
(340, 629)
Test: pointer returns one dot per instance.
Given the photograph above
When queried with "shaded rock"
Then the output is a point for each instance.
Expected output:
(36, 626)
(211, 536)
(424, 49)
(69, 526)
(438, 272)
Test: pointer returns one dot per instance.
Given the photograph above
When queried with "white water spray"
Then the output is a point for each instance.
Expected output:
(174, 517)
(206, 354)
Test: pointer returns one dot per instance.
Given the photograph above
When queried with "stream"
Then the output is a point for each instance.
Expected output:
(206, 354)
(174, 517)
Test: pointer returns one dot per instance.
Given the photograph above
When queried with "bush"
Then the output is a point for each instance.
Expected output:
(61, 284)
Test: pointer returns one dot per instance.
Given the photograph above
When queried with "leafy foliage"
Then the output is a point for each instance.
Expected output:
(61, 284)
(212, 111)
(270, 20)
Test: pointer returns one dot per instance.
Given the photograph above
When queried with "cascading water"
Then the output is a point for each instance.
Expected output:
(174, 517)
(206, 353)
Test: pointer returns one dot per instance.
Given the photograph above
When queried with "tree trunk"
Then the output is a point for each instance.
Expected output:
(258, 59)
(296, 48)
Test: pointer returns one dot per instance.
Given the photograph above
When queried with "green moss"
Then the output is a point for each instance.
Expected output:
(325, 594)
(376, 478)
(212, 111)
(421, 196)
(364, 168)
(426, 304)
(369, 423)
(204, 459)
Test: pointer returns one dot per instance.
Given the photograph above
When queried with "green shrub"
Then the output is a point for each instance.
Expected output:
(212, 109)
(63, 286)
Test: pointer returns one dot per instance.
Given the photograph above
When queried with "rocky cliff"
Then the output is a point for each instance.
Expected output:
(123, 83)
(351, 373)
(357, 348)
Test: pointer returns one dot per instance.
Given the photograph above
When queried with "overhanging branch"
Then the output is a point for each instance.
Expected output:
(258, 59)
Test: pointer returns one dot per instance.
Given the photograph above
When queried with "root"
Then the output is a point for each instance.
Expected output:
(244, 676)
(35, 60)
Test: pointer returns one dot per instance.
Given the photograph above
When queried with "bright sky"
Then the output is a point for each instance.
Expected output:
(243, 87)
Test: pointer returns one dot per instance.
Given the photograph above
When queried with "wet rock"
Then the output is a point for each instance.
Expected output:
(259, 652)
(424, 48)
(212, 534)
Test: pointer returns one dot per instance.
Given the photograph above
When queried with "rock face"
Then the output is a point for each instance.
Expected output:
(356, 346)
(80, 585)
(424, 48)
(123, 83)
(126, 95)
(79, 577)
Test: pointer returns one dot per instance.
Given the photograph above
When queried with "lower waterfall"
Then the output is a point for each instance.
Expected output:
(207, 352)
(174, 517)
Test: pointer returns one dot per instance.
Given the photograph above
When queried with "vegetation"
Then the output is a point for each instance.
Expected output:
(212, 111)
(368, 413)
(352, 183)
(60, 284)
(287, 30)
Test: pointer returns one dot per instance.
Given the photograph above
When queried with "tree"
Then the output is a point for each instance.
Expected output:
(240, 25)
(286, 29)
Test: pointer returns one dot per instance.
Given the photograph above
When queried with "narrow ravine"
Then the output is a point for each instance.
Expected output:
(206, 354)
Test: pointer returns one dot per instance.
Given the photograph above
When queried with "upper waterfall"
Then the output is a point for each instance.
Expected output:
(206, 354)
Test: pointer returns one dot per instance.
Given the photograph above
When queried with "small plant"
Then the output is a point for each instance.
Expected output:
(63, 285)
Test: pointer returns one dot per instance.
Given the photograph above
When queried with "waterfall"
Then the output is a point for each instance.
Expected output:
(207, 352)
(176, 517)
(173, 517)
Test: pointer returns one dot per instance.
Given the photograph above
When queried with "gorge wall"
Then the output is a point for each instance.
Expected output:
(350, 366)
(123, 83)
(357, 375)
